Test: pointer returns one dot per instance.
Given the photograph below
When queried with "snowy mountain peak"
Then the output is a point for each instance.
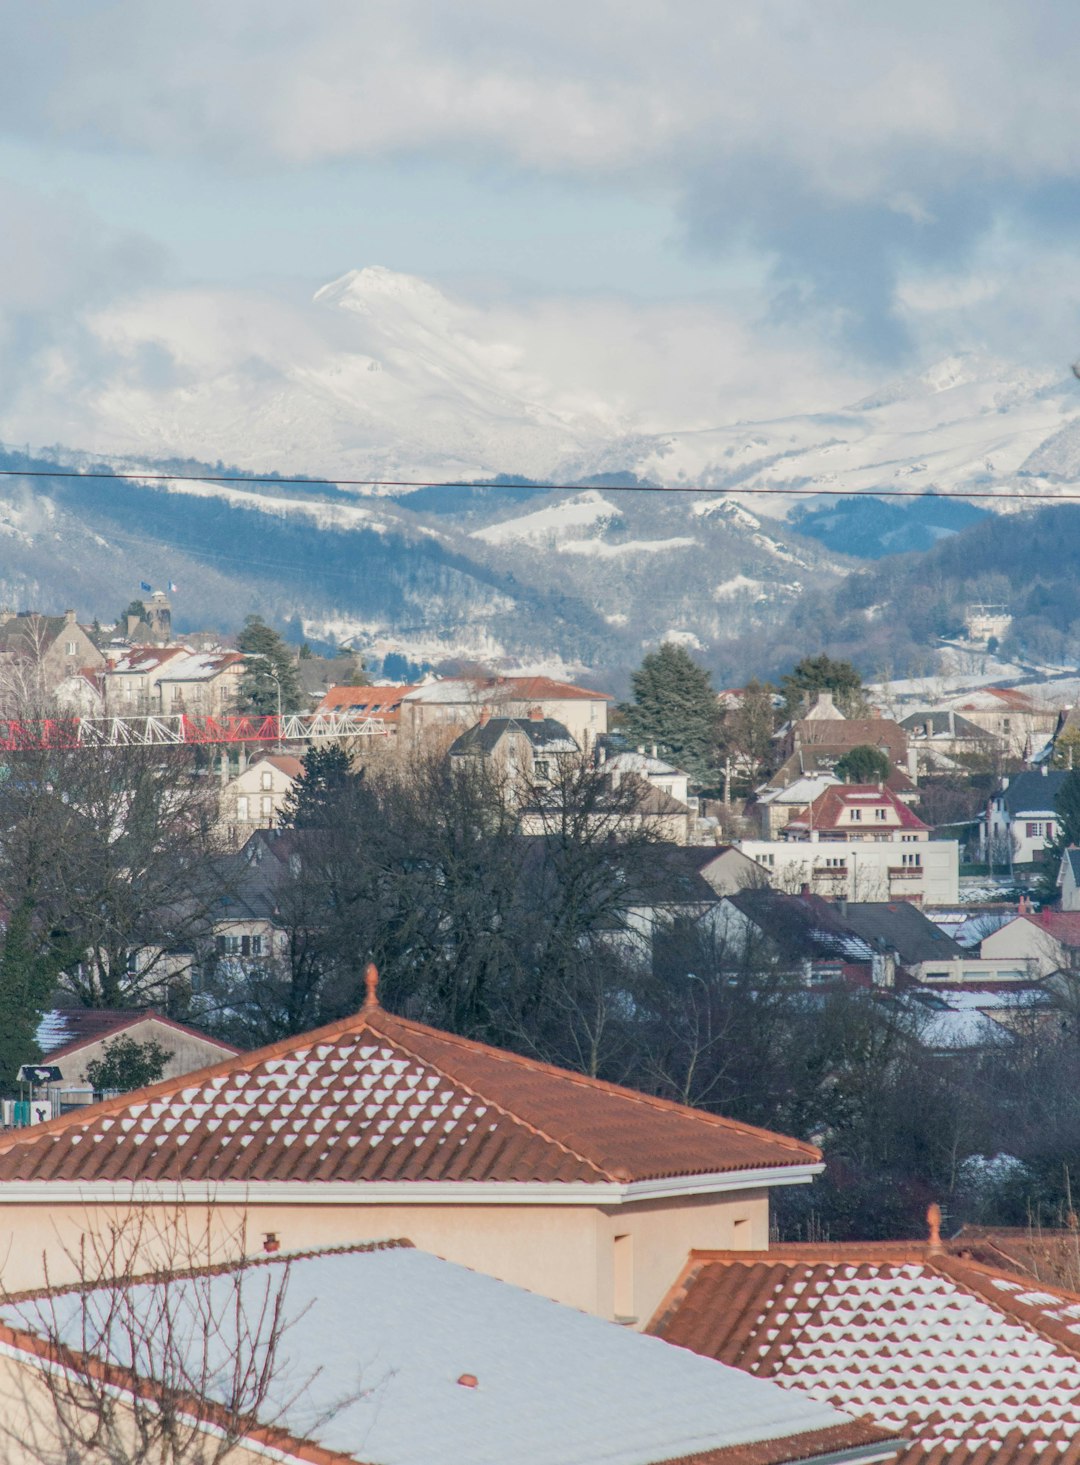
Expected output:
(371, 289)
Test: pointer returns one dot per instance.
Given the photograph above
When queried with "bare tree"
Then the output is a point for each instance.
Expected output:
(176, 1366)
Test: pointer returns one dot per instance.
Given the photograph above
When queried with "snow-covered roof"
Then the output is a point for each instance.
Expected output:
(643, 763)
(971, 1363)
(201, 666)
(375, 1097)
(801, 793)
(439, 1365)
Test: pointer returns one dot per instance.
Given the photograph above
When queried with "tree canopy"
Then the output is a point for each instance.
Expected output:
(864, 764)
(814, 674)
(127, 1064)
(675, 708)
(270, 666)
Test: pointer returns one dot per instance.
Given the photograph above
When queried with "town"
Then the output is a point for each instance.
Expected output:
(617, 1003)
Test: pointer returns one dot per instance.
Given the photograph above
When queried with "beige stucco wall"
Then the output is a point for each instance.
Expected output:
(188, 1051)
(1025, 941)
(566, 1252)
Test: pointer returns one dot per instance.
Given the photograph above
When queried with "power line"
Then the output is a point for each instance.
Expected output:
(753, 491)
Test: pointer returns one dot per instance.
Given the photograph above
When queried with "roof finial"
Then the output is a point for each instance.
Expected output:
(371, 982)
(933, 1220)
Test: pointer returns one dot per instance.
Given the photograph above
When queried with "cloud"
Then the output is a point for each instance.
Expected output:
(852, 146)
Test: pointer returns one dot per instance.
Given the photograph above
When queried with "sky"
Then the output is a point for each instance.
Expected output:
(763, 207)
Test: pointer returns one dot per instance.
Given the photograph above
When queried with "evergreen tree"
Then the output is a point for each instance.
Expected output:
(821, 673)
(318, 800)
(1067, 808)
(270, 665)
(675, 707)
(864, 764)
(29, 967)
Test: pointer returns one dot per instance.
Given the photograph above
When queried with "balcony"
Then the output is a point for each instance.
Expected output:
(905, 872)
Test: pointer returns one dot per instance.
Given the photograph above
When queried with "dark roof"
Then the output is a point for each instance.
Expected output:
(673, 877)
(544, 733)
(801, 926)
(940, 724)
(901, 927)
(1072, 854)
(806, 761)
(376, 1097)
(1030, 791)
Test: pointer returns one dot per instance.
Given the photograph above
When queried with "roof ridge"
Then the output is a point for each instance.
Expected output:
(969, 1274)
(585, 1080)
(138, 1014)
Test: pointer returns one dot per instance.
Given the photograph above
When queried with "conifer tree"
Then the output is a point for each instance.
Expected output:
(675, 707)
(29, 968)
(270, 665)
(821, 673)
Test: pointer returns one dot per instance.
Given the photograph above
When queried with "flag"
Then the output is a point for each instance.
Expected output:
(173, 587)
(144, 586)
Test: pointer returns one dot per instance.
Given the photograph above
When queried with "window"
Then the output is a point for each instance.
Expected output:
(541, 768)
(242, 808)
(856, 816)
(267, 780)
(880, 813)
(835, 862)
(1004, 724)
(256, 945)
(71, 648)
(229, 945)
(1036, 830)
(913, 861)
(266, 806)
(908, 838)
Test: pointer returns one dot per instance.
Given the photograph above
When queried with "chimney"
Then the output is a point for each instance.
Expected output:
(485, 716)
(536, 714)
(69, 617)
(654, 750)
(1044, 770)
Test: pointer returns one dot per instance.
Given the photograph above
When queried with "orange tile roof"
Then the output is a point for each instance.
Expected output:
(377, 1098)
(971, 1363)
(536, 689)
(379, 702)
(830, 805)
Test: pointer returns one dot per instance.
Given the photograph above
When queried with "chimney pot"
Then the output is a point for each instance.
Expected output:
(933, 1221)
(485, 716)
(469, 1381)
(536, 714)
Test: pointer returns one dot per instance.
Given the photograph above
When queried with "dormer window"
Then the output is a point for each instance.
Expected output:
(880, 813)
(856, 816)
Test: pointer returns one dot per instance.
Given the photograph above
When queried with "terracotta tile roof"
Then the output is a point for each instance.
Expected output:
(378, 1098)
(1064, 926)
(379, 702)
(971, 1363)
(548, 1383)
(828, 807)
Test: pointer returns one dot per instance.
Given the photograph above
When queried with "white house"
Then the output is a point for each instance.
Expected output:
(256, 798)
(1022, 817)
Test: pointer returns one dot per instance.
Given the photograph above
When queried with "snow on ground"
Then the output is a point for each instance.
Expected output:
(602, 550)
(739, 585)
(551, 522)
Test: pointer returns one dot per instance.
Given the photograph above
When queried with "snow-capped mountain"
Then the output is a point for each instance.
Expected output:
(385, 376)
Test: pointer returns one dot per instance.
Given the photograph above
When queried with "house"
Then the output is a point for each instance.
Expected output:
(382, 704)
(51, 648)
(818, 762)
(396, 1355)
(577, 1189)
(201, 684)
(525, 749)
(458, 702)
(971, 1362)
(804, 935)
(82, 694)
(966, 1020)
(130, 680)
(255, 798)
(826, 729)
(1069, 879)
(71, 1038)
(900, 928)
(776, 805)
(937, 736)
(1021, 818)
(1019, 724)
(1037, 943)
(651, 769)
(860, 842)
